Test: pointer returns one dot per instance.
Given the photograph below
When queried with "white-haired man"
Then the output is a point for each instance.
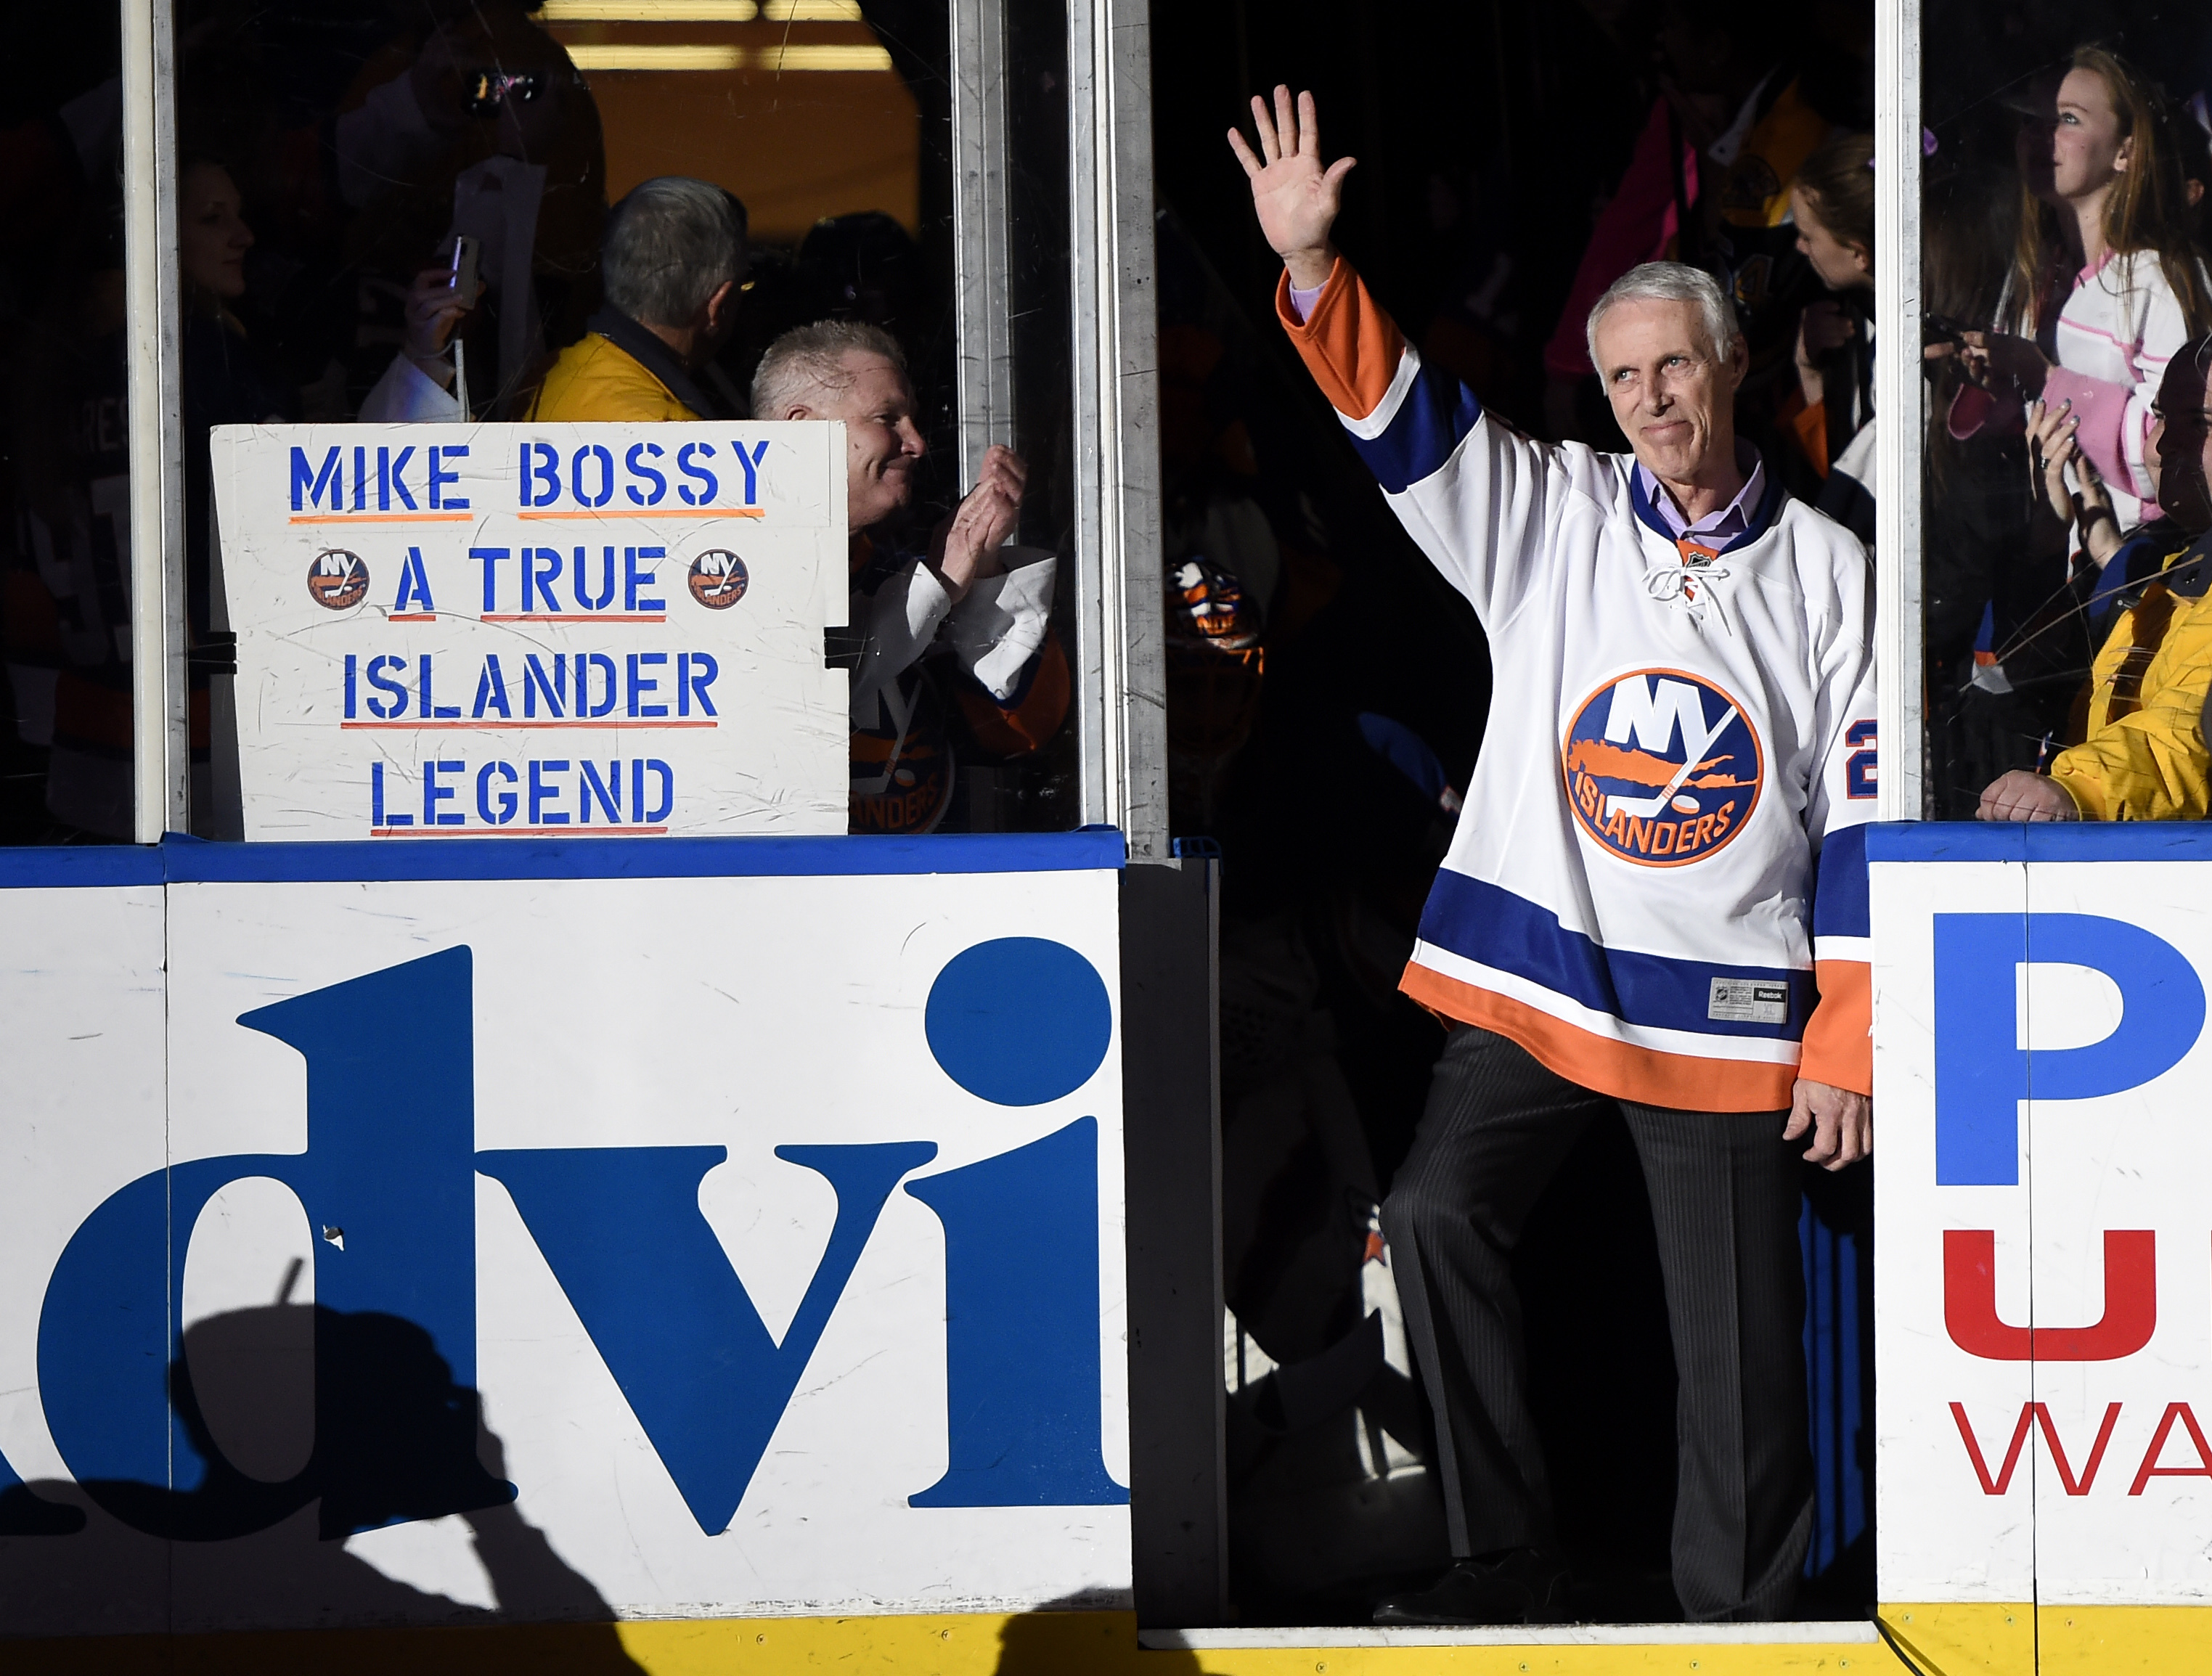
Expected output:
(983, 605)
(1683, 726)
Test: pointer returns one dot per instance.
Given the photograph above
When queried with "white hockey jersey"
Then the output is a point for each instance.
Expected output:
(1672, 745)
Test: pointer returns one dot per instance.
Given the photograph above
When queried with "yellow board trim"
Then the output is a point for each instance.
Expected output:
(1995, 1639)
(1999, 1640)
(2115, 1641)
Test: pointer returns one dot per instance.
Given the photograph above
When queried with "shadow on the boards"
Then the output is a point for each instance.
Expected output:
(305, 1438)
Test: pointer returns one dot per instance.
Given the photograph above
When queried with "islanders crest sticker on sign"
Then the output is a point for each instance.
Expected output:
(1661, 767)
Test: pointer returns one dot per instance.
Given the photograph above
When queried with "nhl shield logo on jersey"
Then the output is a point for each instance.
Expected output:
(1662, 768)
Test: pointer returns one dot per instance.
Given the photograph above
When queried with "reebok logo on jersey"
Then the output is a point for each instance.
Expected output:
(1662, 768)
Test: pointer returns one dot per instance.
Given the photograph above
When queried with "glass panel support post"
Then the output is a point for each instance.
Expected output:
(982, 230)
(1121, 695)
(161, 757)
(1900, 404)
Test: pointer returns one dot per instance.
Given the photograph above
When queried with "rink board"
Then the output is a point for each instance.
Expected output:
(568, 1230)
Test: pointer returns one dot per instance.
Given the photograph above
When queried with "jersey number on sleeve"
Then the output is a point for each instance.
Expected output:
(1859, 778)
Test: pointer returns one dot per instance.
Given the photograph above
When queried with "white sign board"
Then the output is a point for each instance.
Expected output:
(556, 1247)
(534, 630)
(2043, 1300)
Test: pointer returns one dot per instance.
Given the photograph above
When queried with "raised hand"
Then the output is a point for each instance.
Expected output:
(2010, 366)
(2054, 443)
(1298, 200)
(969, 542)
(434, 309)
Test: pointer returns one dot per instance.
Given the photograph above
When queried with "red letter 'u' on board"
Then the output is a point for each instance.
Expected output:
(1970, 1303)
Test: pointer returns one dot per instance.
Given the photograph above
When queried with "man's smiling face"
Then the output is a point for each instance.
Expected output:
(1673, 393)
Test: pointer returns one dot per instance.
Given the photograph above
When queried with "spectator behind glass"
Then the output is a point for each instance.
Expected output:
(863, 266)
(2005, 650)
(1832, 205)
(986, 604)
(481, 124)
(2143, 756)
(225, 383)
(672, 266)
(2105, 283)
(1743, 102)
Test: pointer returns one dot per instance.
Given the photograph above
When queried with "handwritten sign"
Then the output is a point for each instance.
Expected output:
(533, 630)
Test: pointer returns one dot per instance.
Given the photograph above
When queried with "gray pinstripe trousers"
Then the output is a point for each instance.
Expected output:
(1724, 1191)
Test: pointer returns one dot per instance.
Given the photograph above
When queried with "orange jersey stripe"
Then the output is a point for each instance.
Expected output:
(1350, 345)
(1030, 725)
(1645, 1075)
(1839, 1050)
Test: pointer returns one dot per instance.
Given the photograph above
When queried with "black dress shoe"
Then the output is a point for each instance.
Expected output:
(1512, 1586)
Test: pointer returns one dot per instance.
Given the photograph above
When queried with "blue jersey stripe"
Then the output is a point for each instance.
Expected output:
(1839, 899)
(1481, 921)
(1434, 418)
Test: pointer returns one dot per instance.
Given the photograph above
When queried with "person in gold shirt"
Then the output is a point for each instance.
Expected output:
(2143, 754)
(671, 264)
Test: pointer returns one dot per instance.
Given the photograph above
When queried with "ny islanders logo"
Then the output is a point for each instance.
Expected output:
(336, 579)
(718, 578)
(1662, 768)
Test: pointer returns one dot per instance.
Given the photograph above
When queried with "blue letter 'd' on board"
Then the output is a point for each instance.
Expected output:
(386, 1176)
(622, 1231)
(1982, 1073)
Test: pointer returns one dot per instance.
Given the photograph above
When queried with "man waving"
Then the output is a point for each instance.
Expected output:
(1683, 731)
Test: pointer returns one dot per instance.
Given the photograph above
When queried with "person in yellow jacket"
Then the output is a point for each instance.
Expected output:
(672, 263)
(2142, 755)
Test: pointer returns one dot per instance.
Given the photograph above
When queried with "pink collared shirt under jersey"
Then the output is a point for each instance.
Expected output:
(1715, 529)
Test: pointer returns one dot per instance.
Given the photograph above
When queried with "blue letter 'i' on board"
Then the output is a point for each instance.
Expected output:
(1022, 1327)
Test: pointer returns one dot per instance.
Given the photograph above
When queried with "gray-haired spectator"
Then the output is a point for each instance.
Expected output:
(671, 262)
(983, 603)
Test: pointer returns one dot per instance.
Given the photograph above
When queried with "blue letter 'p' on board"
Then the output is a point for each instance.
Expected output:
(1982, 1073)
